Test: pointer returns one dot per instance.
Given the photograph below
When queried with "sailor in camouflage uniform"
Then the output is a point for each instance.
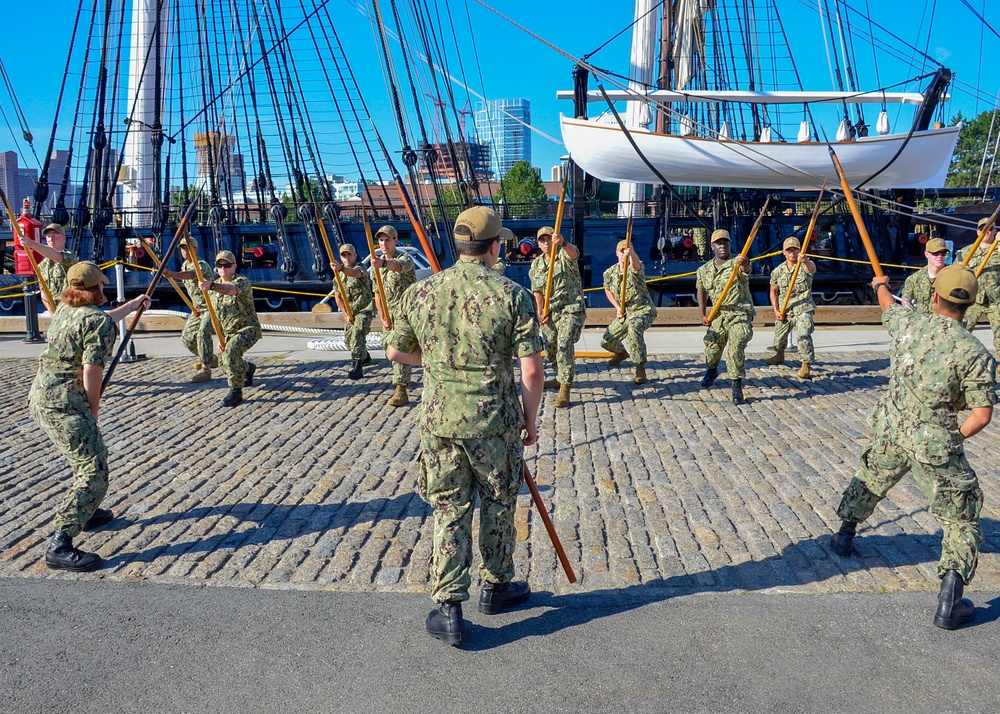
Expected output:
(799, 313)
(918, 290)
(398, 273)
(937, 368)
(561, 328)
(233, 301)
(732, 327)
(507, 239)
(467, 326)
(989, 284)
(360, 297)
(56, 260)
(624, 336)
(198, 332)
(65, 398)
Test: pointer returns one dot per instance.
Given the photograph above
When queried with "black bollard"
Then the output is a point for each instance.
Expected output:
(33, 335)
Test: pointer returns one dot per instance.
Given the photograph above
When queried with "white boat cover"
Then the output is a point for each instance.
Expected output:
(603, 151)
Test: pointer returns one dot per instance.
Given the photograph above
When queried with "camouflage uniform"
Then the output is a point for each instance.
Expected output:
(566, 312)
(988, 298)
(700, 237)
(58, 402)
(639, 313)
(799, 313)
(395, 284)
(500, 266)
(471, 324)
(733, 325)
(937, 368)
(240, 325)
(361, 300)
(919, 291)
(198, 330)
(54, 273)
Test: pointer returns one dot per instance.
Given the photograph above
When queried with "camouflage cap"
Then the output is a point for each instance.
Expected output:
(507, 234)
(348, 248)
(54, 228)
(720, 234)
(477, 223)
(545, 231)
(792, 242)
(226, 256)
(957, 283)
(85, 275)
(387, 230)
(936, 245)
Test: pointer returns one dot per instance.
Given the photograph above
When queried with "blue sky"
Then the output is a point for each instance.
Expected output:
(513, 64)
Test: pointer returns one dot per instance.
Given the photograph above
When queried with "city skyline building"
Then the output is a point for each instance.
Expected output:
(502, 125)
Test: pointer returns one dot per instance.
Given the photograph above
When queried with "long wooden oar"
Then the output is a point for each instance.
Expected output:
(377, 271)
(986, 258)
(329, 254)
(200, 277)
(551, 529)
(153, 282)
(553, 252)
(156, 261)
(982, 234)
(732, 274)
(627, 264)
(805, 247)
(16, 227)
(862, 230)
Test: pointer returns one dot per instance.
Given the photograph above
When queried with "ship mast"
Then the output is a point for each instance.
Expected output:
(637, 113)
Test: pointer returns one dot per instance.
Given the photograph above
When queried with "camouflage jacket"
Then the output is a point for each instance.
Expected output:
(637, 300)
(191, 286)
(395, 284)
(77, 336)
(54, 273)
(801, 300)
(359, 292)
(236, 312)
(919, 291)
(989, 281)
(567, 286)
(712, 279)
(471, 324)
(936, 369)
(500, 266)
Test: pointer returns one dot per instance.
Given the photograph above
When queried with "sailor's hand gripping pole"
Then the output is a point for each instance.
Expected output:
(552, 248)
(156, 261)
(979, 238)
(743, 254)
(378, 271)
(805, 247)
(626, 264)
(216, 325)
(329, 254)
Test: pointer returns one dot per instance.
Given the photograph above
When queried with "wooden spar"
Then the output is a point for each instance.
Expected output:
(377, 271)
(153, 282)
(31, 258)
(540, 505)
(216, 325)
(717, 305)
(805, 247)
(156, 261)
(986, 258)
(329, 253)
(415, 222)
(626, 264)
(862, 230)
(552, 248)
(982, 234)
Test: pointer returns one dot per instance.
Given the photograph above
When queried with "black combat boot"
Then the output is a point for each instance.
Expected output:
(445, 622)
(101, 517)
(356, 371)
(710, 374)
(843, 540)
(61, 555)
(234, 397)
(367, 359)
(953, 610)
(497, 597)
(251, 368)
(737, 391)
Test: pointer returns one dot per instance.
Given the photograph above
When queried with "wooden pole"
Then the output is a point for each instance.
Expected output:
(982, 234)
(329, 253)
(377, 271)
(552, 249)
(862, 230)
(156, 261)
(16, 227)
(805, 247)
(717, 305)
(626, 264)
(553, 536)
(216, 325)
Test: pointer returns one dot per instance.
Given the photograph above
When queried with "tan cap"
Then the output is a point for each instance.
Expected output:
(507, 234)
(957, 283)
(85, 275)
(348, 248)
(54, 228)
(189, 239)
(982, 223)
(720, 234)
(545, 231)
(936, 245)
(477, 223)
(792, 242)
(389, 231)
(226, 256)
(622, 244)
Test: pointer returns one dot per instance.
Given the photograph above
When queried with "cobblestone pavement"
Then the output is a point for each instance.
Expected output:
(310, 483)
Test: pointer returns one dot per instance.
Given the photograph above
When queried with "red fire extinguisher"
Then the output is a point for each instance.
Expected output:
(31, 228)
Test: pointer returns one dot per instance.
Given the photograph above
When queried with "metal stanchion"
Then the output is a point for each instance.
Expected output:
(32, 335)
(129, 355)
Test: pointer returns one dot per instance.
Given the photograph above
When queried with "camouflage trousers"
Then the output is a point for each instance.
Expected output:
(198, 335)
(354, 335)
(953, 491)
(401, 373)
(231, 359)
(76, 435)
(975, 312)
(729, 331)
(561, 333)
(627, 333)
(803, 324)
(452, 473)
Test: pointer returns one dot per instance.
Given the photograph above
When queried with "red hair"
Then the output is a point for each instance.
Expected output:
(78, 297)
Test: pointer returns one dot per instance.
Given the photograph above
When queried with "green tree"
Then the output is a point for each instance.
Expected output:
(454, 203)
(974, 153)
(522, 191)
